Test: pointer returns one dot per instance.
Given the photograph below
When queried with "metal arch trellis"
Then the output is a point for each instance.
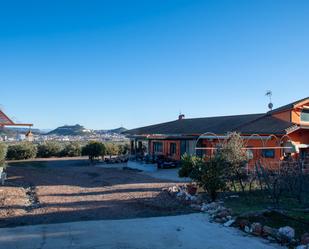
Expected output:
(202, 135)
(226, 136)
(264, 142)
(253, 136)
(285, 136)
(273, 136)
(257, 136)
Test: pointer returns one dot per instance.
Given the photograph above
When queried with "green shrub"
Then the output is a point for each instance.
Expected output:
(49, 149)
(123, 149)
(187, 164)
(93, 150)
(72, 149)
(111, 149)
(210, 175)
(3, 151)
(21, 151)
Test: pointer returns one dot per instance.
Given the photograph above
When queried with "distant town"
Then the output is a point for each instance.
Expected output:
(64, 133)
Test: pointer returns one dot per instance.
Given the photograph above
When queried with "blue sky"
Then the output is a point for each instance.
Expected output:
(103, 64)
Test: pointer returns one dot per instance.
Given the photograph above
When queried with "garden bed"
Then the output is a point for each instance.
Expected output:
(258, 207)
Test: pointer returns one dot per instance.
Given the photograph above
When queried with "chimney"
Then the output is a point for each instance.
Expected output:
(181, 117)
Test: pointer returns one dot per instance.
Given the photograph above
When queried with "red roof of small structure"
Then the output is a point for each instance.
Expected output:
(6, 121)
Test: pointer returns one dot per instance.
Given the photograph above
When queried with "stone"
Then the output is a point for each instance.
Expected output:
(271, 239)
(174, 189)
(219, 220)
(210, 206)
(229, 223)
(195, 207)
(269, 231)
(287, 232)
(222, 214)
(305, 239)
(213, 205)
(302, 247)
(193, 198)
(256, 228)
(180, 194)
(204, 207)
(224, 219)
(199, 199)
(247, 229)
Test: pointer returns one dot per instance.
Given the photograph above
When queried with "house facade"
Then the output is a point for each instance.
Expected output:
(272, 136)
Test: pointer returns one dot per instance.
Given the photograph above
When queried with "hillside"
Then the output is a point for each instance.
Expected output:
(70, 130)
(119, 130)
(115, 131)
(15, 131)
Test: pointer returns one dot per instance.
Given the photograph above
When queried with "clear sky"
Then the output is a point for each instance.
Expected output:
(103, 64)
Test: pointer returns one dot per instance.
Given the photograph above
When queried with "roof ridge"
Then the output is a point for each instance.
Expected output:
(224, 116)
(251, 121)
(287, 106)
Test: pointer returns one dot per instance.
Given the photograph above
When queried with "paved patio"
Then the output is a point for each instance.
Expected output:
(191, 231)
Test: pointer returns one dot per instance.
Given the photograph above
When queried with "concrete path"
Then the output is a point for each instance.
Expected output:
(167, 174)
(187, 232)
(164, 174)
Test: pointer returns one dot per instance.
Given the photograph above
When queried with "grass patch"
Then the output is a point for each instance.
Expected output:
(290, 211)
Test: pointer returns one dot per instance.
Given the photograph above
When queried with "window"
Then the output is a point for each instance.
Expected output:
(172, 149)
(268, 153)
(201, 151)
(304, 115)
(157, 147)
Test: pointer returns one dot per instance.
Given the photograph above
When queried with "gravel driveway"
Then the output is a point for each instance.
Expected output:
(64, 191)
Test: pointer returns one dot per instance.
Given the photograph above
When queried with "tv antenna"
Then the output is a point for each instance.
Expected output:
(269, 94)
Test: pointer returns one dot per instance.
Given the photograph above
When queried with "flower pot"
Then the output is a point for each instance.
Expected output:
(191, 189)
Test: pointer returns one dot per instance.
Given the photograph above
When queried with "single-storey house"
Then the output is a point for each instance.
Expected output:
(278, 133)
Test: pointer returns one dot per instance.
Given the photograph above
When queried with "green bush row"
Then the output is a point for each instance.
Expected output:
(27, 150)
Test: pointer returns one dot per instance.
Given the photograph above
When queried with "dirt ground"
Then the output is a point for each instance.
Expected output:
(73, 190)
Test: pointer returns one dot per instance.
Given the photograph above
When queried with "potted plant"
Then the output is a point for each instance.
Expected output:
(3, 150)
(191, 188)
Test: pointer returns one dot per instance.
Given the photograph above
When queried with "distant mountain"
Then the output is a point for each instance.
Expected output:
(118, 130)
(44, 131)
(114, 131)
(70, 130)
(66, 130)
(13, 131)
